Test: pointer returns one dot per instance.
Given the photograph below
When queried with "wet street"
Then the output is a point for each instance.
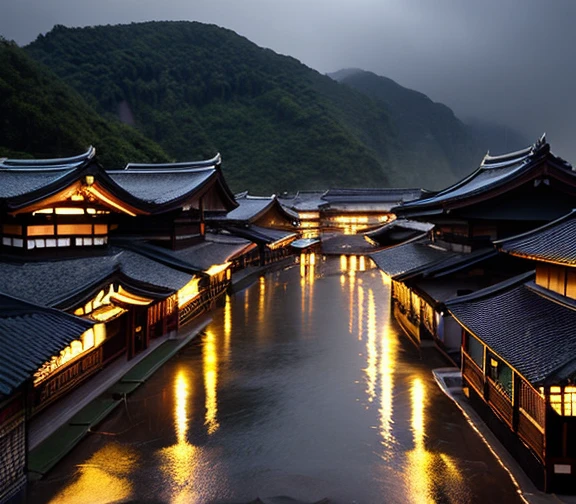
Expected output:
(302, 386)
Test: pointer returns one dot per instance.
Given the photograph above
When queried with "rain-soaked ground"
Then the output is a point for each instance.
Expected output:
(302, 386)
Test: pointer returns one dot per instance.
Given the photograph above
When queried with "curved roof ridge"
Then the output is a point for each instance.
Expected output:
(180, 166)
(50, 163)
(508, 156)
(493, 289)
(532, 232)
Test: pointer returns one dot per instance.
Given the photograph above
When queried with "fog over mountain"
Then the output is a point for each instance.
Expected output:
(503, 61)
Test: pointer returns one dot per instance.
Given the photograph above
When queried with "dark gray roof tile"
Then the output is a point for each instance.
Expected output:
(530, 328)
(29, 336)
(555, 242)
(411, 256)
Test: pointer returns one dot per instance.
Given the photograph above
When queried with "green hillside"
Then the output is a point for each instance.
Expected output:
(196, 89)
(429, 130)
(43, 117)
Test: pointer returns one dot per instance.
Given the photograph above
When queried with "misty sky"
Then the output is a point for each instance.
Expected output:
(508, 61)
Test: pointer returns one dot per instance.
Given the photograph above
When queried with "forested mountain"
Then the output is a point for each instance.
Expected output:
(41, 116)
(429, 128)
(197, 89)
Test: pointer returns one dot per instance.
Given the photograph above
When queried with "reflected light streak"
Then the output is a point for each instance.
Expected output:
(343, 263)
(386, 373)
(311, 280)
(211, 382)
(261, 299)
(419, 460)
(227, 324)
(360, 312)
(362, 263)
(371, 353)
(180, 461)
(104, 477)
(386, 280)
(353, 264)
(351, 296)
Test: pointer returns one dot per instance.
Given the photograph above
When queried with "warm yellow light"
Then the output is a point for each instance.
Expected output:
(77, 197)
(181, 394)
(188, 292)
(217, 268)
(89, 179)
(69, 211)
(210, 361)
(104, 477)
(106, 312)
(308, 215)
(386, 374)
(227, 323)
(371, 350)
(129, 298)
(360, 312)
(343, 263)
(353, 263)
(96, 192)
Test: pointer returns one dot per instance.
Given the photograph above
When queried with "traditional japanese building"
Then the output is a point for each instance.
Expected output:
(263, 221)
(347, 211)
(30, 337)
(519, 354)
(506, 195)
(121, 249)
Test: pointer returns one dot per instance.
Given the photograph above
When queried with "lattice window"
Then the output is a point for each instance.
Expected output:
(563, 401)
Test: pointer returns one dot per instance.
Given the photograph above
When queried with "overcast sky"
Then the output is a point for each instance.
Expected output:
(508, 61)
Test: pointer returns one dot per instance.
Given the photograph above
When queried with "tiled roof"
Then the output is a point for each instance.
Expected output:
(54, 283)
(209, 253)
(156, 187)
(370, 195)
(248, 209)
(529, 327)
(304, 201)
(18, 182)
(186, 165)
(259, 234)
(49, 283)
(555, 242)
(29, 336)
(347, 244)
(410, 257)
(35, 164)
(148, 271)
(492, 173)
(368, 199)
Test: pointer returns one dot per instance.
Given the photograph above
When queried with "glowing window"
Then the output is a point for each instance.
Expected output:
(41, 230)
(74, 229)
(100, 229)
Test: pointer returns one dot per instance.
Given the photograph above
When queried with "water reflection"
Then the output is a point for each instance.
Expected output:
(371, 349)
(179, 460)
(210, 360)
(431, 476)
(275, 415)
(104, 477)
(227, 324)
(307, 279)
(386, 373)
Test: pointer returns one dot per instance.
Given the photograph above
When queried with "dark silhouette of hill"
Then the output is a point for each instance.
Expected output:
(196, 89)
(44, 117)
